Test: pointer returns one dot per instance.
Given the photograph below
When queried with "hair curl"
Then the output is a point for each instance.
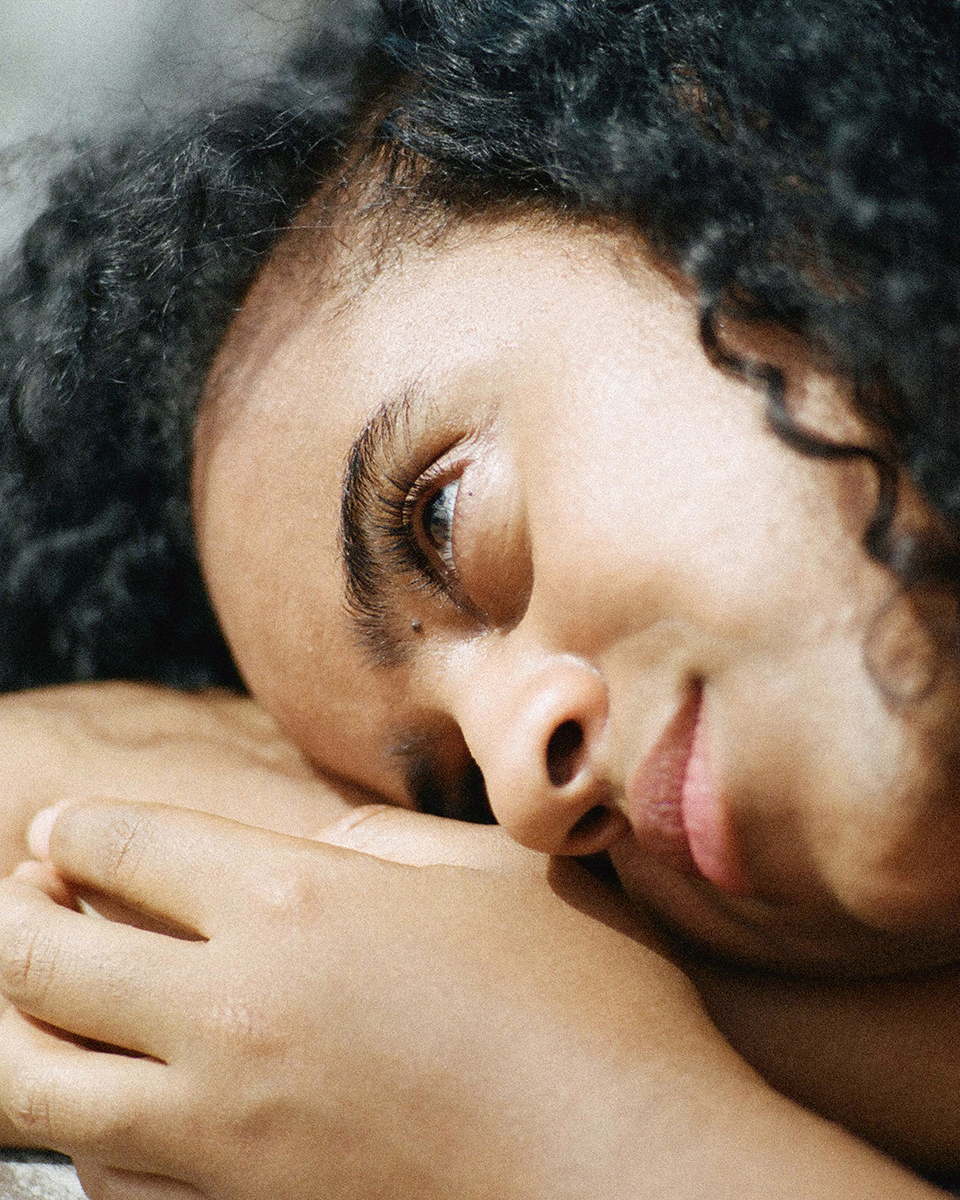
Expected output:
(800, 163)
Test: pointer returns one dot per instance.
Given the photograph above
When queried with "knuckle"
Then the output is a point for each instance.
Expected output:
(289, 893)
(46, 1105)
(27, 965)
(263, 1120)
(28, 1103)
(244, 1026)
(123, 848)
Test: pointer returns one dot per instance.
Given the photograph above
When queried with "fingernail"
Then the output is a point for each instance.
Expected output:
(38, 835)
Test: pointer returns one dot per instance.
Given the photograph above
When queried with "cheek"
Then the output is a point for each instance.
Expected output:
(301, 664)
(699, 512)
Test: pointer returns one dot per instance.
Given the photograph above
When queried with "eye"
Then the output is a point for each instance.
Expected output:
(436, 523)
(425, 526)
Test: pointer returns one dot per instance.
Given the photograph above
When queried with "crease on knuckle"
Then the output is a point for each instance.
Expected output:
(50, 1116)
(123, 850)
(246, 1027)
(28, 1103)
(27, 967)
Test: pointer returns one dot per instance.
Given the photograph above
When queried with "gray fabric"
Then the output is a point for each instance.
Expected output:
(84, 67)
(40, 1177)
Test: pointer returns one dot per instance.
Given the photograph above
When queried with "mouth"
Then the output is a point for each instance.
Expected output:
(675, 809)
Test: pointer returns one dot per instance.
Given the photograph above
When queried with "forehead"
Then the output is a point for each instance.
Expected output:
(462, 291)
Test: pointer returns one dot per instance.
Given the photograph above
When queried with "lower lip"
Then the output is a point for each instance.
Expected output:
(674, 807)
(705, 821)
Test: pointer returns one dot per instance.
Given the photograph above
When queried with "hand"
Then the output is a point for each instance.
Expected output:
(211, 750)
(217, 1020)
(347, 1027)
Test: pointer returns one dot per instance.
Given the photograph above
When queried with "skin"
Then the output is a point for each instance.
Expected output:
(528, 1078)
(271, 908)
(827, 1046)
(278, 503)
(216, 751)
(626, 526)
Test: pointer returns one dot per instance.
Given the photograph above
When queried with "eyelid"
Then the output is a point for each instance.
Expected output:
(438, 476)
(493, 579)
(415, 439)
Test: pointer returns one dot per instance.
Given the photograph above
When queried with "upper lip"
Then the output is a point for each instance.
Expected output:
(654, 795)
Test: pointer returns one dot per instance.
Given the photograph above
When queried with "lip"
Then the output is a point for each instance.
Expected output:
(675, 809)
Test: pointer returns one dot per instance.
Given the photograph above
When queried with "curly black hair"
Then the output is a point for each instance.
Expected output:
(798, 162)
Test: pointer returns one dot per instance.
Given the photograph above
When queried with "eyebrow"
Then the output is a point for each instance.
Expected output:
(361, 503)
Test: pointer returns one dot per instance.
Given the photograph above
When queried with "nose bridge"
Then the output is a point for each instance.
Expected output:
(535, 719)
(593, 588)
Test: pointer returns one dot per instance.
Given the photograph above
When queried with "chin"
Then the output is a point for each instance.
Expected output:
(825, 941)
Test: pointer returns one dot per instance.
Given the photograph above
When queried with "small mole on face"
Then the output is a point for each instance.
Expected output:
(416, 626)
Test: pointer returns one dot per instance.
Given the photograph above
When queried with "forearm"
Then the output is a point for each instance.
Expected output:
(876, 1058)
(211, 751)
(728, 1143)
(631, 1091)
(680, 1117)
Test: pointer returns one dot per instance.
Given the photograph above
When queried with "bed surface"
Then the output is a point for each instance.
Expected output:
(28, 1176)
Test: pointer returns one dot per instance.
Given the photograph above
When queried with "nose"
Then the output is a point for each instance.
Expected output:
(541, 748)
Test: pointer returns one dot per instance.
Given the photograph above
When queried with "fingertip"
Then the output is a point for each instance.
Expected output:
(41, 827)
(43, 876)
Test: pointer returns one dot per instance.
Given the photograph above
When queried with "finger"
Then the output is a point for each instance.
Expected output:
(173, 862)
(100, 1182)
(85, 1102)
(44, 877)
(420, 840)
(93, 978)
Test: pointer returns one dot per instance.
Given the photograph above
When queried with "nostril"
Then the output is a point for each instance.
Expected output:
(590, 824)
(565, 753)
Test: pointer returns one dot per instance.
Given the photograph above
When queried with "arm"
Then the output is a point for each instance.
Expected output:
(880, 1057)
(362, 1028)
(874, 1059)
(213, 750)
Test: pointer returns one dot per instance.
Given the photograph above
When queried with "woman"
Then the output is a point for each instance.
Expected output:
(553, 604)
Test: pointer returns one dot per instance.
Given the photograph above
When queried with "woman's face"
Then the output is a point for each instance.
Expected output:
(496, 512)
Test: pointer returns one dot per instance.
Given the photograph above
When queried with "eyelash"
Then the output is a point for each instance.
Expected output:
(397, 523)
